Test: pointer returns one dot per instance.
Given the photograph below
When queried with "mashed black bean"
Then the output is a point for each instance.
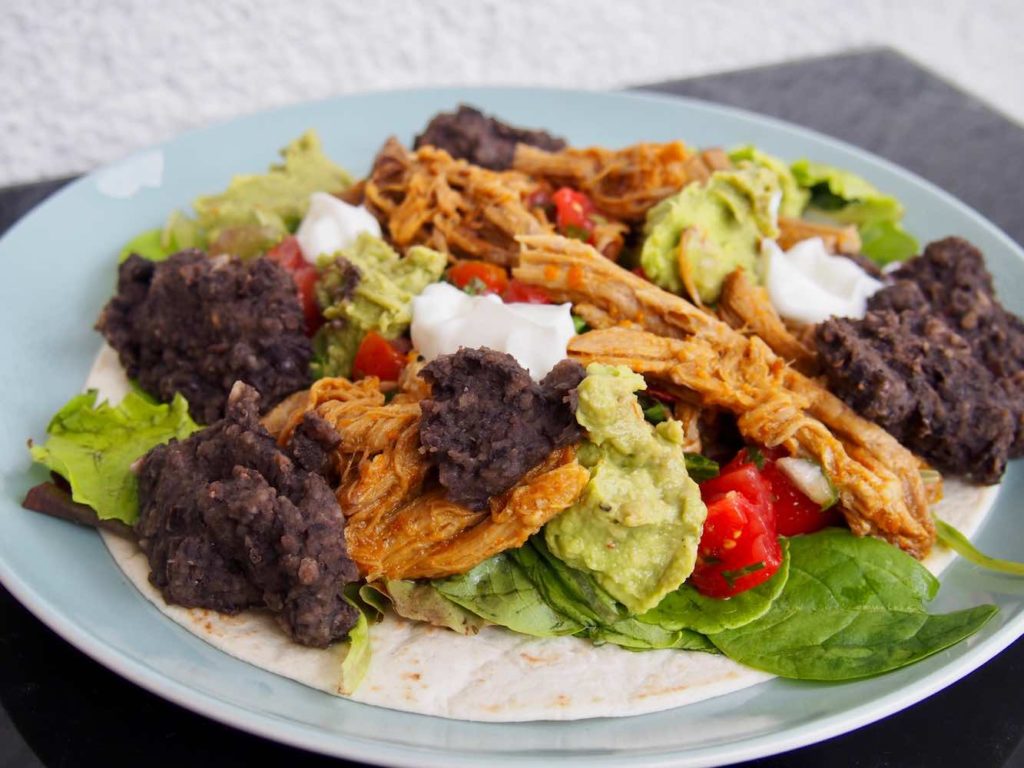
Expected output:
(195, 325)
(229, 522)
(487, 423)
(471, 135)
(937, 361)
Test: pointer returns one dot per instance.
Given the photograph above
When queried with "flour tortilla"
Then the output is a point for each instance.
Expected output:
(496, 675)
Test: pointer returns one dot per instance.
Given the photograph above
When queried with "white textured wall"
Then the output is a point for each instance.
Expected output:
(82, 83)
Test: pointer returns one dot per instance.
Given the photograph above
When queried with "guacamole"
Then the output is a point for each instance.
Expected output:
(794, 197)
(638, 522)
(723, 221)
(381, 300)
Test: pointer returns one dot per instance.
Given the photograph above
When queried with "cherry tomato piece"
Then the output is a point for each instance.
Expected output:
(738, 549)
(794, 512)
(288, 254)
(305, 281)
(524, 293)
(573, 213)
(744, 479)
(377, 357)
(493, 277)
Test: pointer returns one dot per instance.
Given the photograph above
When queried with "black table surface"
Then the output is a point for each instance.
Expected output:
(60, 708)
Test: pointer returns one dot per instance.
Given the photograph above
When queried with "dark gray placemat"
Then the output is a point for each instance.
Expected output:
(884, 102)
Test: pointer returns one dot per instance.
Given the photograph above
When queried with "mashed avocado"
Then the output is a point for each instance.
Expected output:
(724, 220)
(638, 522)
(380, 301)
(794, 197)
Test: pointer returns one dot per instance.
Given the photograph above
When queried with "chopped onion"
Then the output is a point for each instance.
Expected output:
(809, 479)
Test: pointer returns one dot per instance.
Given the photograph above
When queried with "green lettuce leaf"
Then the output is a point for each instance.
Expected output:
(358, 653)
(960, 544)
(849, 199)
(94, 446)
(276, 200)
(500, 591)
(852, 607)
(149, 245)
(421, 601)
(686, 608)
(635, 635)
(886, 241)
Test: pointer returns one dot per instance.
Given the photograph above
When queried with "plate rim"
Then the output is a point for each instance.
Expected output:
(369, 750)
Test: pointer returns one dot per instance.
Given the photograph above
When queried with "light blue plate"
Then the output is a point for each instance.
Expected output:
(59, 267)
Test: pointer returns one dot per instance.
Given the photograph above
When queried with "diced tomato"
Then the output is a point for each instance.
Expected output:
(288, 254)
(524, 293)
(493, 277)
(377, 357)
(738, 549)
(574, 214)
(744, 479)
(794, 512)
(305, 280)
(639, 272)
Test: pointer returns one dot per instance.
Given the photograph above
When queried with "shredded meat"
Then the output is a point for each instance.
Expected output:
(428, 198)
(429, 536)
(487, 422)
(469, 134)
(747, 308)
(841, 238)
(878, 479)
(195, 325)
(400, 524)
(622, 183)
(229, 522)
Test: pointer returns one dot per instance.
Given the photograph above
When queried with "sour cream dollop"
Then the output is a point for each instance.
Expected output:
(331, 224)
(809, 285)
(536, 335)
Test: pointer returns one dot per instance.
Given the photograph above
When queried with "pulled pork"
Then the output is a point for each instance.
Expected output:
(679, 346)
(428, 198)
(622, 183)
(400, 522)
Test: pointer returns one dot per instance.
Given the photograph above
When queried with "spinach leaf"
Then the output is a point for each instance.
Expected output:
(686, 608)
(576, 594)
(852, 607)
(499, 590)
(567, 590)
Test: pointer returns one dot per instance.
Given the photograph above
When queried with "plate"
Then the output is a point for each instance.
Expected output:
(59, 264)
